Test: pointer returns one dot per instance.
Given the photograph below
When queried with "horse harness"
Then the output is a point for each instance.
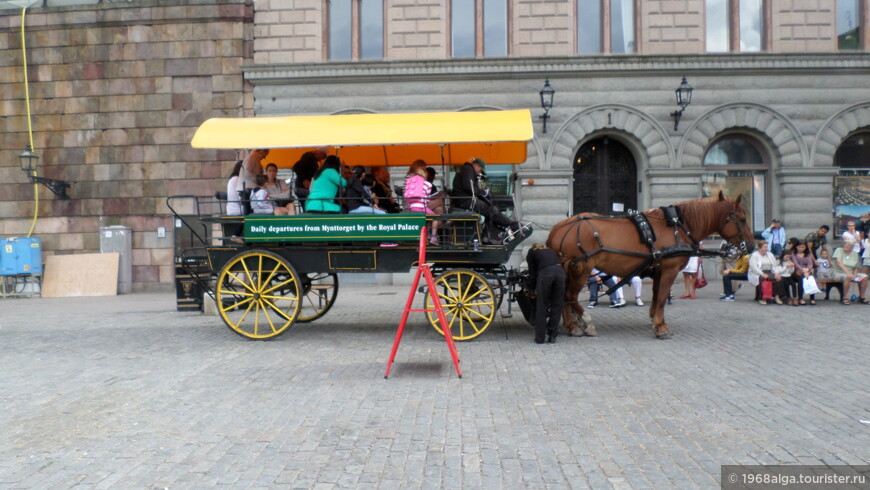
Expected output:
(673, 219)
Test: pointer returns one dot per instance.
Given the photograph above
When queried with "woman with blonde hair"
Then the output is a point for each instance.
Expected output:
(416, 194)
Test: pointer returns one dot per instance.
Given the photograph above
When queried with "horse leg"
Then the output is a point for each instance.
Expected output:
(571, 307)
(661, 286)
(655, 294)
(576, 319)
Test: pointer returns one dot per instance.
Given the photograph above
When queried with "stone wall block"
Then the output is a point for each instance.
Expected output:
(83, 224)
(52, 225)
(146, 274)
(116, 206)
(161, 256)
(141, 256)
(70, 207)
(91, 207)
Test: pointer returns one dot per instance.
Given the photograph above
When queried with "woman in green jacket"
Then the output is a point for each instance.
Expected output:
(325, 187)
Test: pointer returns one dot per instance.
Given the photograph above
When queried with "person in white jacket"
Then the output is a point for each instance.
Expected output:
(763, 265)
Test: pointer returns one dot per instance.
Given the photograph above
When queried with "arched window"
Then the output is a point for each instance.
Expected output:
(737, 166)
(852, 186)
(853, 155)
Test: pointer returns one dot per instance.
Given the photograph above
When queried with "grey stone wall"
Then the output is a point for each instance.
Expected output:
(117, 91)
(629, 99)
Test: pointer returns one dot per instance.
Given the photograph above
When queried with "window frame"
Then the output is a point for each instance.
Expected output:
(355, 32)
(605, 30)
(733, 26)
(863, 18)
(479, 33)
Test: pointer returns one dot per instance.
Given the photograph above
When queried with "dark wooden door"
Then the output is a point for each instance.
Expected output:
(604, 173)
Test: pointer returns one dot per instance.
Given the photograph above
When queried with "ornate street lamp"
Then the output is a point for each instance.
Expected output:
(684, 98)
(546, 102)
(28, 162)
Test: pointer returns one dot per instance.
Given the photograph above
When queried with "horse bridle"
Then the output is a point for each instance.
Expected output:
(732, 218)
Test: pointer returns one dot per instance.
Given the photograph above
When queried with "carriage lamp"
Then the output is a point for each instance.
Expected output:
(546, 94)
(28, 162)
(684, 98)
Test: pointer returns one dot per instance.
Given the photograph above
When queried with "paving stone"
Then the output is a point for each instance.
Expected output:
(125, 392)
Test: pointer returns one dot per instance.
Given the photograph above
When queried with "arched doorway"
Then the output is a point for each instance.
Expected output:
(605, 177)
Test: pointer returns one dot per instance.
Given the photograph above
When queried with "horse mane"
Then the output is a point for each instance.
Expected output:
(699, 215)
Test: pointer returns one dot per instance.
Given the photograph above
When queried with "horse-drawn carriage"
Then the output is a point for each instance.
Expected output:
(285, 269)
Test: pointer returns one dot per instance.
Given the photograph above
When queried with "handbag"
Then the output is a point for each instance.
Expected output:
(700, 279)
(810, 286)
(766, 290)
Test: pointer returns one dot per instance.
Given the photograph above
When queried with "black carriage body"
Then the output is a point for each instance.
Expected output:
(284, 269)
(460, 247)
(327, 257)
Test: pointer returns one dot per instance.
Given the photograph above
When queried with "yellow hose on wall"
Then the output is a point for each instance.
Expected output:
(29, 126)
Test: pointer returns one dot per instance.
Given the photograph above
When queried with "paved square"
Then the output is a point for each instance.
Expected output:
(126, 392)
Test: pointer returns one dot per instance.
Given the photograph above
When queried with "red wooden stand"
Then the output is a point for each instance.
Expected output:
(424, 270)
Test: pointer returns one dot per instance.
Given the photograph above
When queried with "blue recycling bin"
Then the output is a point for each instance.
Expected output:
(20, 255)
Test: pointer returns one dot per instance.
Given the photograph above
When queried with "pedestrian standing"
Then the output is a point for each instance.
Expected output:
(547, 277)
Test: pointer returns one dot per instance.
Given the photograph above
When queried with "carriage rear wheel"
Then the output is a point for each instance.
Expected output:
(258, 294)
(468, 302)
(319, 292)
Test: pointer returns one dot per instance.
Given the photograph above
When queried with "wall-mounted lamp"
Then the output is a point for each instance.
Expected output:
(546, 102)
(684, 98)
(28, 161)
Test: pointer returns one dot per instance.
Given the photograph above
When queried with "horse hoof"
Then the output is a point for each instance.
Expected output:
(575, 332)
(663, 336)
(591, 331)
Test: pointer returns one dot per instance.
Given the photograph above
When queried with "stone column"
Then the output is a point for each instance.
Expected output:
(806, 198)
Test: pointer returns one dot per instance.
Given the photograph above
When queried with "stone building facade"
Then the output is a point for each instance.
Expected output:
(116, 92)
(788, 93)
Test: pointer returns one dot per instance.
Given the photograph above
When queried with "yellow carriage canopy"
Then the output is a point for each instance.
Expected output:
(498, 137)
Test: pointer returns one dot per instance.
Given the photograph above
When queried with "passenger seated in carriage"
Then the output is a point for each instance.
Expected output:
(358, 193)
(468, 194)
(382, 191)
(278, 190)
(325, 186)
(261, 202)
(417, 193)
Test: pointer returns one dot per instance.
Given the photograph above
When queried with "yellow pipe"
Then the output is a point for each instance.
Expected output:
(29, 126)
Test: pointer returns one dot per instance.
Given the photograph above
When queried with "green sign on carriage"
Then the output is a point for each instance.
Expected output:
(335, 227)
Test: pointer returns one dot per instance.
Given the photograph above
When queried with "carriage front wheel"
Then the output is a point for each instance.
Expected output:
(258, 294)
(468, 301)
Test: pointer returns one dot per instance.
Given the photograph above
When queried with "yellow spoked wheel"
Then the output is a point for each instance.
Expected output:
(468, 302)
(258, 294)
(319, 292)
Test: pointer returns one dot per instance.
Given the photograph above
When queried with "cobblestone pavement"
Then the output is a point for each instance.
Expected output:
(125, 392)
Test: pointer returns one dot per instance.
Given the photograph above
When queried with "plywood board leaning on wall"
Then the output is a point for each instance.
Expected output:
(80, 275)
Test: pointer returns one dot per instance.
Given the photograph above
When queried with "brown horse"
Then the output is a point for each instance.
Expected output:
(615, 245)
